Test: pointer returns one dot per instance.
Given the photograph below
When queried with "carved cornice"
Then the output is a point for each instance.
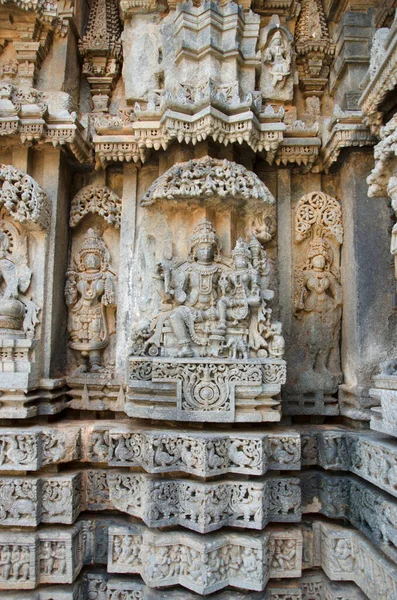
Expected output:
(206, 177)
(55, 13)
(27, 117)
(23, 198)
(99, 200)
(345, 130)
(132, 138)
(382, 74)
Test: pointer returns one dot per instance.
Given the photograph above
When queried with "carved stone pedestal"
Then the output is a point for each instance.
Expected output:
(384, 417)
(205, 389)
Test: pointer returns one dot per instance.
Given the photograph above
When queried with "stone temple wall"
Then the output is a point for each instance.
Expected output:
(198, 356)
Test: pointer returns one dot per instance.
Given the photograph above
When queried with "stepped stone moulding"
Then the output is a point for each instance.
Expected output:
(205, 565)
(204, 507)
(29, 116)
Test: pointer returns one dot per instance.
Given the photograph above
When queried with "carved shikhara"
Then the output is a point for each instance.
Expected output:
(318, 300)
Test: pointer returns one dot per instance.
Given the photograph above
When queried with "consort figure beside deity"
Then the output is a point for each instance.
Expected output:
(212, 305)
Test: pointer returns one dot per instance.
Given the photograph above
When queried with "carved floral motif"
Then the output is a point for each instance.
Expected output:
(23, 198)
(96, 200)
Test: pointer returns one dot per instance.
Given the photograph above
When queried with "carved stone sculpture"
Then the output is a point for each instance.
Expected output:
(275, 45)
(318, 298)
(90, 291)
(214, 307)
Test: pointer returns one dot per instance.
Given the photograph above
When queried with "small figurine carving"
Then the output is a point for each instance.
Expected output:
(279, 58)
(90, 291)
(211, 305)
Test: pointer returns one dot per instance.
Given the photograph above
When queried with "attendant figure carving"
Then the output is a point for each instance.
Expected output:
(90, 292)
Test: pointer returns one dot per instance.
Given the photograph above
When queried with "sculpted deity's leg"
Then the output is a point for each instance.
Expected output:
(182, 334)
(95, 360)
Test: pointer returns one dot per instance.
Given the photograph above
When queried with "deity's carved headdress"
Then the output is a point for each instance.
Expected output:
(93, 244)
(241, 249)
(320, 247)
(204, 233)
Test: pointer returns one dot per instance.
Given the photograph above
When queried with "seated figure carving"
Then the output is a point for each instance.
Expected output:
(212, 305)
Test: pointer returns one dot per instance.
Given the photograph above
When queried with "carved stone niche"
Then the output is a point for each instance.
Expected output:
(24, 218)
(204, 345)
(277, 61)
(315, 370)
(90, 290)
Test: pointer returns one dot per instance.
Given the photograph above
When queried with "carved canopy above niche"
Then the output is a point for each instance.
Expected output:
(23, 198)
(205, 178)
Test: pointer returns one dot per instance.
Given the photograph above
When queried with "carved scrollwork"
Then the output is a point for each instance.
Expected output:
(23, 198)
(96, 200)
(207, 177)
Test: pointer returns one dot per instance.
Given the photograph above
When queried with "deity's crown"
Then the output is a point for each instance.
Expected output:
(204, 232)
(317, 247)
(93, 244)
(241, 249)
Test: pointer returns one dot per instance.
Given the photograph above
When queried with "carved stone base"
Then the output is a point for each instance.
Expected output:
(206, 390)
(310, 404)
(384, 418)
(49, 399)
(100, 391)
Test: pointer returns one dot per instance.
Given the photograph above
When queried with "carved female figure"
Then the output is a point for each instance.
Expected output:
(319, 300)
(90, 288)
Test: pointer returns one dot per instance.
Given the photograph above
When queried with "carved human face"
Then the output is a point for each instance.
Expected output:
(318, 262)
(204, 252)
(92, 262)
(240, 262)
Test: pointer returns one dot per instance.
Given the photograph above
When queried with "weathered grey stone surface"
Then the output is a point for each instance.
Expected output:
(198, 390)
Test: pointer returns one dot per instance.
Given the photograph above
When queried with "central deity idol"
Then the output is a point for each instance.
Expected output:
(211, 305)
